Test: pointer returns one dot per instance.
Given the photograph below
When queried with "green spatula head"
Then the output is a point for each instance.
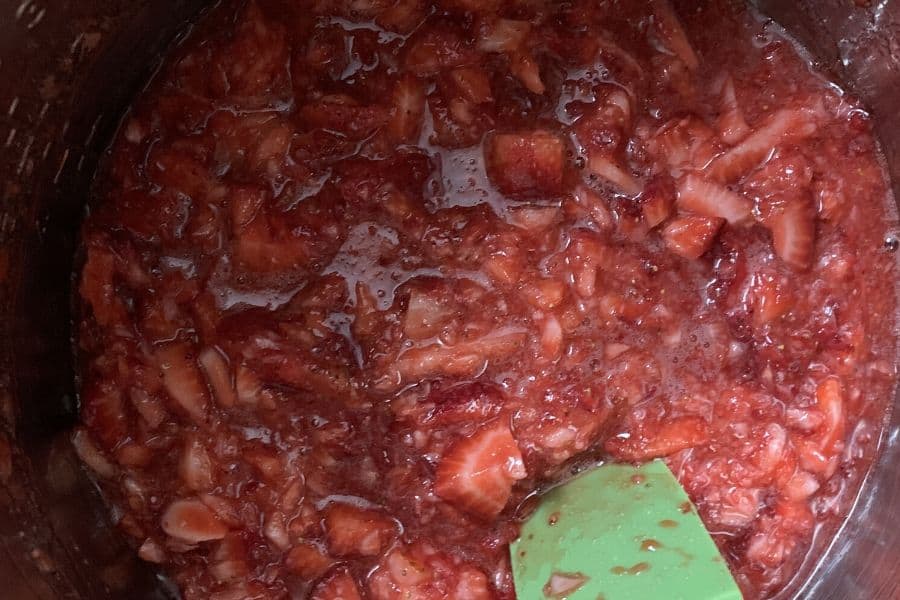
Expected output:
(619, 532)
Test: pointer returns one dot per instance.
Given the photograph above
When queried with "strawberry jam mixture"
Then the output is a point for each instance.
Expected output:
(364, 276)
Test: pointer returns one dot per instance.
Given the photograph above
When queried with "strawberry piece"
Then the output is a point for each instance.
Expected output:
(426, 313)
(422, 572)
(527, 71)
(473, 84)
(794, 233)
(666, 439)
(432, 50)
(262, 242)
(464, 403)
(339, 586)
(609, 170)
(404, 16)
(526, 163)
(682, 144)
(690, 236)
(89, 454)
(103, 411)
(183, 380)
(697, 195)
(195, 467)
(503, 35)
(307, 560)
(229, 559)
(218, 373)
(731, 123)
(477, 473)
(787, 126)
(464, 359)
(264, 40)
(770, 298)
(830, 400)
(353, 531)
(672, 35)
(408, 110)
(457, 123)
(191, 521)
(657, 201)
(98, 287)
(337, 113)
(179, 171)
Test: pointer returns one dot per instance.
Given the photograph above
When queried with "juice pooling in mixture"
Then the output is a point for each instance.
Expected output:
(362, 276)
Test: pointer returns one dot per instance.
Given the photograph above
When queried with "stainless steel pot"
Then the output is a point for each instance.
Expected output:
(67, 72)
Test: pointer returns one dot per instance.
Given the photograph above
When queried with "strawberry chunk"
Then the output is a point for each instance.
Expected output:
(353, 531)
(609, 170)
(339, 586)
(731, 124)
(103, 411)
(697, 195)
(672, 35)
(794, 233)
(307, 560)
(503, 35)
(422, 572)
(526, 69)
(657, 201)
(477, 473)
(183, 380)
(682, 144)
(98, 287)
(770, 298)
(787, 126)
(433, 50)
(407, 111)
(337, 113)
(229, 559)
(690, 237)
(404, 16)
(664, 440)
(472, 83)
(464, 359)
(261, 242)
(526, 163)
(191, 521)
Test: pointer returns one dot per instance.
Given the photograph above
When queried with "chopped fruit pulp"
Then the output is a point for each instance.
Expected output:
(364, 276)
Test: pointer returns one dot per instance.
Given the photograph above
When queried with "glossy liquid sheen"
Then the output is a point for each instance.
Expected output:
(363, 276)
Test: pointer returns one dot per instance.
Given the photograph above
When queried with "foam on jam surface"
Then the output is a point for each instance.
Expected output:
(363, 276)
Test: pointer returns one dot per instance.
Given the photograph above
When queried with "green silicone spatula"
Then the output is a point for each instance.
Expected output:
(619, 532)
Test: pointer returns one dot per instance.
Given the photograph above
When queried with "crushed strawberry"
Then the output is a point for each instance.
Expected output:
(363, 276)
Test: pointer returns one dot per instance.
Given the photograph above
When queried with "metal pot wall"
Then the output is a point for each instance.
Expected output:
(68, 71)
